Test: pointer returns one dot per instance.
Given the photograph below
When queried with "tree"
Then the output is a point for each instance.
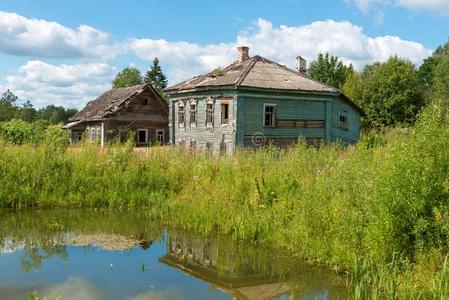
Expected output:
(441, 80)
(26, 112)
(55, 114)
(155, 76)
(330, 70)
(8, 106)
(390, 93)
(427, 69)
(129, 76)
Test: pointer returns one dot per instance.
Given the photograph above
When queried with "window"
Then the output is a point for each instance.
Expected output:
(94, 133)
(142, 136)
(160, 136)
(210, 113)
(193, 113)
(181, 113)
(224, 113)
(145, 101)
(269, 118)
(343, 119)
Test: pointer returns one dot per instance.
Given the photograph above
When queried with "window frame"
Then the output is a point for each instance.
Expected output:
(210, 112)
(181, 113)
(343, 124)
(138, 136)
(224, 121)
(273, 115)
(193, 112)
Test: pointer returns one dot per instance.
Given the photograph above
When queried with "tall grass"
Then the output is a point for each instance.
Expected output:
(378, 210)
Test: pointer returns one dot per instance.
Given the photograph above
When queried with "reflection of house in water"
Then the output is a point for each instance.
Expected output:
(203, 260)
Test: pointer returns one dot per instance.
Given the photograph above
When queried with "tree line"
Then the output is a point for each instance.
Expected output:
(10, 109)
(391, 93)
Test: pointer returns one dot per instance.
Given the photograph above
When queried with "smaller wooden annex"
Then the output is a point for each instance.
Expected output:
(118, 113)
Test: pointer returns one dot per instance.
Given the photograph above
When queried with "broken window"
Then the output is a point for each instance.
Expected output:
(224, 113)
(269, 119)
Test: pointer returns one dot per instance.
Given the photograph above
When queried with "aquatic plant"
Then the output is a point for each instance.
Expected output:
(378, 210)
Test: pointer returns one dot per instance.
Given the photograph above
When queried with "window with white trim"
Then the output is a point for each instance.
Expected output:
(210, 112)
(192, 113)
(269, 116)
(181, 114)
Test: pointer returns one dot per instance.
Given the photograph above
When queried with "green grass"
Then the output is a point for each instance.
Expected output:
(378, 210)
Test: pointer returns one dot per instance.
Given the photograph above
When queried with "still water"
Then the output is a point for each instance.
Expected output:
(110, 254)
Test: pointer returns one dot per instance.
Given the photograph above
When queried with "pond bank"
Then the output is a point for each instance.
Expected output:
(111, 254)
(378, 210)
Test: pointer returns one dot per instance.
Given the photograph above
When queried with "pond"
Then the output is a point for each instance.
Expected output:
(110, 254)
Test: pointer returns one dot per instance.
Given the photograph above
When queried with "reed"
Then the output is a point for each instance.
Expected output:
(374, 209)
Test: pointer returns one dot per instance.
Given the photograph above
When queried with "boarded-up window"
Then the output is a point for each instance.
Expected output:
(269, 118)
(283, 123)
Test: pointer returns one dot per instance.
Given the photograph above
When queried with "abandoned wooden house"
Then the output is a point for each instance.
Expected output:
(255, 102)
(139, 111)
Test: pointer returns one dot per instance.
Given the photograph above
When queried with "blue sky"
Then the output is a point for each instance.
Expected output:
(67, 52)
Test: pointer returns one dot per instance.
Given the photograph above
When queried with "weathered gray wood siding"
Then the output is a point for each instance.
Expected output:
(251, 125)
(352, 132)
(199, 136)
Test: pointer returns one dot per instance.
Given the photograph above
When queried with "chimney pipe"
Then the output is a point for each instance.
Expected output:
(301, 65)
(243, 53)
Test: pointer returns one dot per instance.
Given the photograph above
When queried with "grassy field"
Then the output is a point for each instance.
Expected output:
(378, 210)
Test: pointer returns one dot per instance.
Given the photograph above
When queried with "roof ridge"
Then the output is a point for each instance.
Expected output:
(242, 77)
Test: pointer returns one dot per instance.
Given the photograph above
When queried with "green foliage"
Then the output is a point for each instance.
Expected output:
(19, 132)
(441, 80)
(217, 72)
(10, 110)
(155, 76)
(129, 76)
(330, 70)
(427, 69)
(390, 93)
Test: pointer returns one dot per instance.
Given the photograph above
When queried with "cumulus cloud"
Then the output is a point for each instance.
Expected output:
(72, 85)
(66, 85)
(378, 6)
(40, 38)
(281, 44)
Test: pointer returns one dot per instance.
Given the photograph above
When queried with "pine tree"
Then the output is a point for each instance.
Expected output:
(155, 76)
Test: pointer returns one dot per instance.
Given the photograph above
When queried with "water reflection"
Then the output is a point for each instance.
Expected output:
(107, 254)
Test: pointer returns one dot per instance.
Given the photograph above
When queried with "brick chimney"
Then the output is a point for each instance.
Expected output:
(301, 65)
(243, 53)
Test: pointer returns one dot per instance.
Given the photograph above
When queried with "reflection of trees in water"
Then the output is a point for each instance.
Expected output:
(43, 234)
(33, 255)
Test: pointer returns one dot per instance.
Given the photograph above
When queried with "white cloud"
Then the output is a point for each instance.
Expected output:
(281, 44)
(40, 38)
(66, 85)
(72, 85)
(439, 6)
(378, 6)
